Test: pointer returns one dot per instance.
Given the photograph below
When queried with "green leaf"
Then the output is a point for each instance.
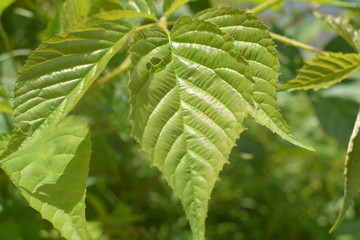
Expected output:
(123, 14)
(98, 6)
(5, 105)
(4, 138)
(352, 177)
(51, 172)
(143, 6)
(74, 13)
(58, 74)
(346, 28)
(190, 92)
(4, 4)
(324, 71)
(171, 6)
(255, 44)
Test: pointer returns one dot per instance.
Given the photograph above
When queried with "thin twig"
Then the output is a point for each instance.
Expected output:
(295, 43)
(264, 6)
(111, 76)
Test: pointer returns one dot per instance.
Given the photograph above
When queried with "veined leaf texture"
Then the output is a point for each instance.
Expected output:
(191, 88)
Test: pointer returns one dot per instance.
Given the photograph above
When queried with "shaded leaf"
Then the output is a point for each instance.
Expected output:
(324, 71)
(190, 93)
(336, 116)
(352, 177)
(51, 172)
(74, 13)
(255, 44)
(58, 74)
(348, 29)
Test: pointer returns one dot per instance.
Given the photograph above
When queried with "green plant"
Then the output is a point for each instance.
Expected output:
(193, 81)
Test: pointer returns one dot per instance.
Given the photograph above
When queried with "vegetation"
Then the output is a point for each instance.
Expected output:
(191, 76)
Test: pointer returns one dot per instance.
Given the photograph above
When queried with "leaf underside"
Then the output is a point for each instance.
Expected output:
(324, 71)
(346, 28)
(352, 169)
(189, 97)
(51, 173)
(252, 40)
(58, 74)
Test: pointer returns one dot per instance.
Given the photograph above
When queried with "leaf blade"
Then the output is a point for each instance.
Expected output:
(352, 178)
(58, 74)
(45, 167)
(324, 71)
(255, 44)
(181, 119)
(123, 14)
(74, 13)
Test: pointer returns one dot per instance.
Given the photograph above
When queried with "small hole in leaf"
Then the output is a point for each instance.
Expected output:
(25, 127)
(155, 61)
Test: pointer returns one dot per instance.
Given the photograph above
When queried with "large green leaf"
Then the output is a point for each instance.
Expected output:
(4, 4)
(144, 6)
(324, 71)
(190, 92)
(352, 168)
(58, 74)
(51, 172)
(255, 44)
(348, 29)
(74, 13)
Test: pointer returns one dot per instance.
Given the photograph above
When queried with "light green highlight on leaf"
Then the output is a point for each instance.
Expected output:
(123, 14)
(74, 13)
(188, 110)
(352, 176)
(172, 6)
(51, 172)
(346, 28)
(5, 105)
(4, 138)
(60, 71)
(143, 6)
(324, 71)
(253, 42)
(4, 4)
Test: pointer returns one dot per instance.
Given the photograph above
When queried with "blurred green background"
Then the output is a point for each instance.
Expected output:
(270, 190)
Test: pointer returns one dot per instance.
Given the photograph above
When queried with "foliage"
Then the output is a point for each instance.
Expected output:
(193, 82)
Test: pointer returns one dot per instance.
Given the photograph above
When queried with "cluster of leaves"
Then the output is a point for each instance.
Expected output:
(192, 83)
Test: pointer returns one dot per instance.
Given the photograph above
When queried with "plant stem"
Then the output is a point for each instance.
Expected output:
(264, 6)
(111, 76)
(295, 43)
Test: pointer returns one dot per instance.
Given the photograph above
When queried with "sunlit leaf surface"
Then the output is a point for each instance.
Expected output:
(189, 93)
(51, 173)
